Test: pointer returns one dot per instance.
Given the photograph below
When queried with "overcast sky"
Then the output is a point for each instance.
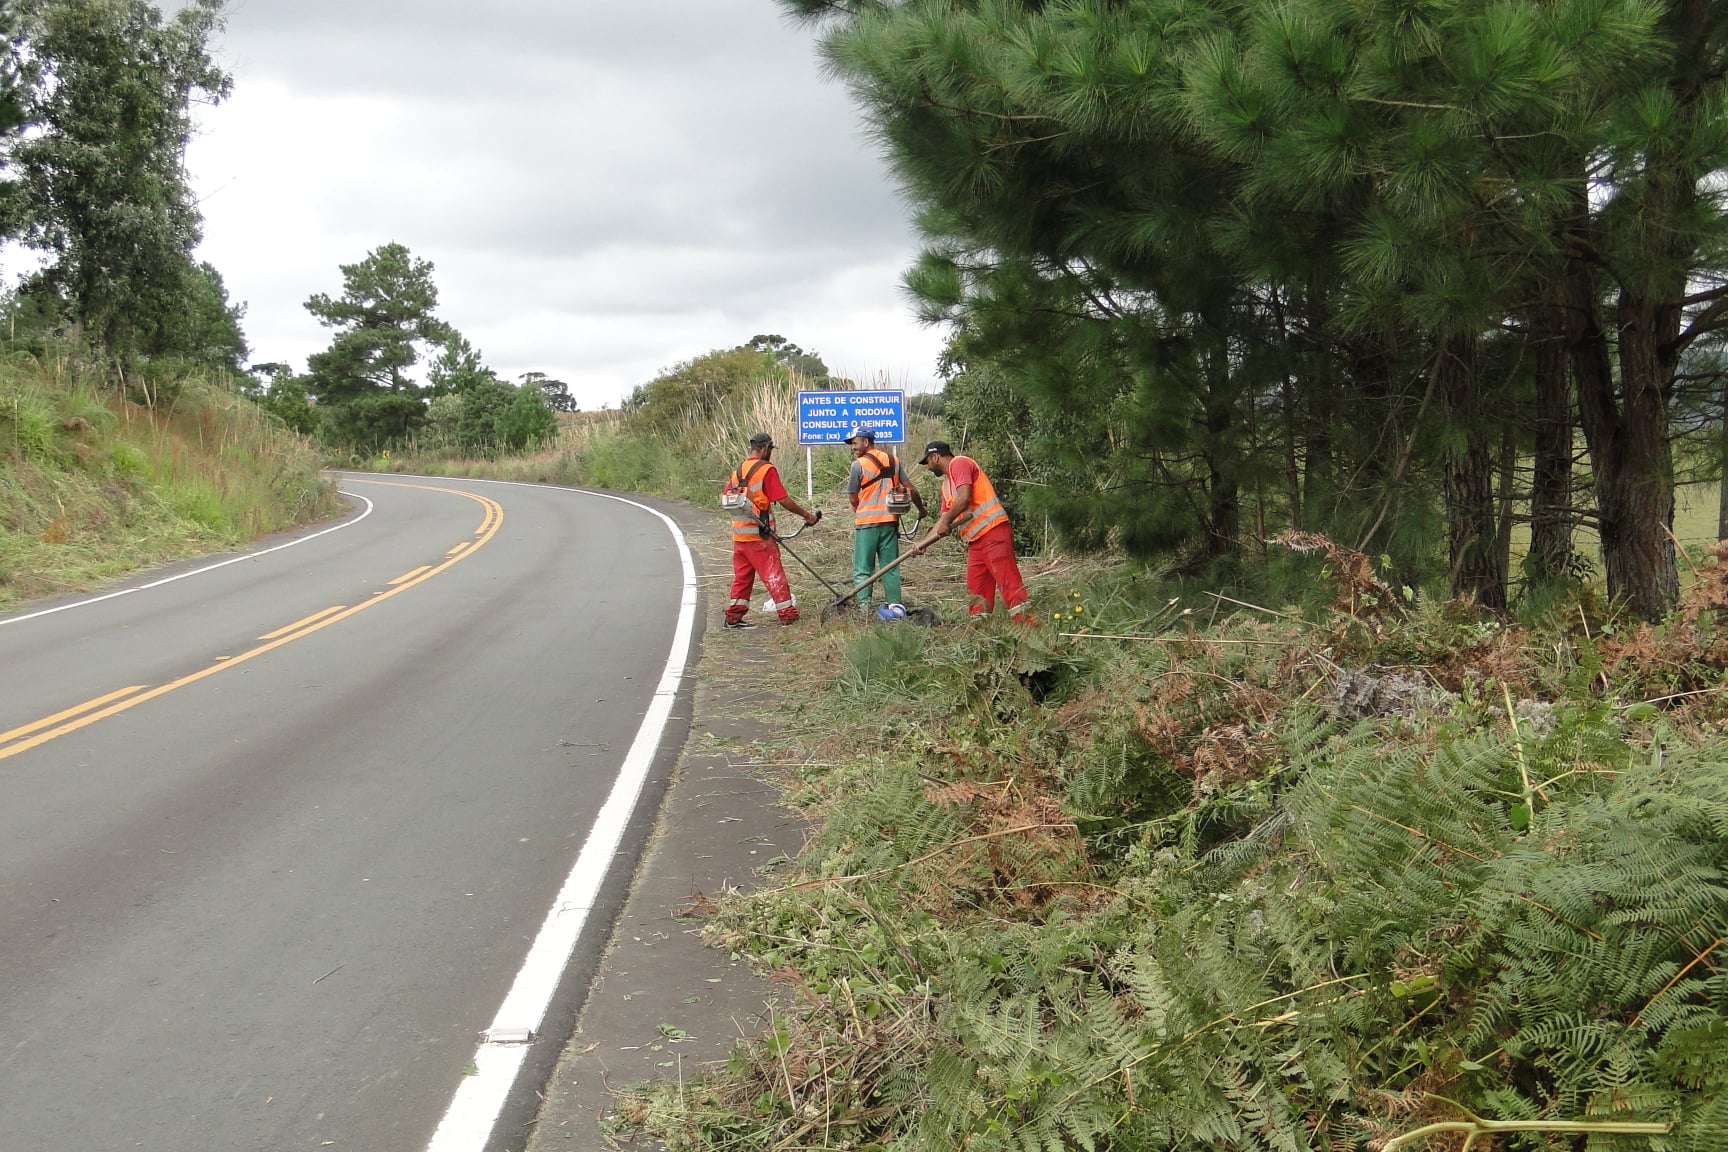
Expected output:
(606, 187)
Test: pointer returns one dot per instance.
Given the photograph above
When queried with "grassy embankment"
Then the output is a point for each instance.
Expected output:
(93, 485)
(1181, 871)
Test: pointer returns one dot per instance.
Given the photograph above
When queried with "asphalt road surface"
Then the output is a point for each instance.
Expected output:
(276, 838)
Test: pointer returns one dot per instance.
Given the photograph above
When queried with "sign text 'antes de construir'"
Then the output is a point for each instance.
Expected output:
(826, 417)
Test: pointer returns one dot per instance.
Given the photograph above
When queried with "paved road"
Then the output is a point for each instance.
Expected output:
(275, 838)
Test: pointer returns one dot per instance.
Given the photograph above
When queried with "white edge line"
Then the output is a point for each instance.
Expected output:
(194, 572)
(480, 1099)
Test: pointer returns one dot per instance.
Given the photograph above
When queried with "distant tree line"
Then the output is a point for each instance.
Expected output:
(1407, 275)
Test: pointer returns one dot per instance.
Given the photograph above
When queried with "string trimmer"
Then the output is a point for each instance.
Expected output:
(781, 539)
(845, 601)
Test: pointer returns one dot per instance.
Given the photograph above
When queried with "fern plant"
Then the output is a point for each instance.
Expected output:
(1393, 930)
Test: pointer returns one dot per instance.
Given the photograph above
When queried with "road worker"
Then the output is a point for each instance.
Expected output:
(971, 508)
(878, 488)
(750, 495)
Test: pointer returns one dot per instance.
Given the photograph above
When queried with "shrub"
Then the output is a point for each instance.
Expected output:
(29, 426)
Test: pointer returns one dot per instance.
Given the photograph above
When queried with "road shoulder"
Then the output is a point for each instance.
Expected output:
(662, 1004)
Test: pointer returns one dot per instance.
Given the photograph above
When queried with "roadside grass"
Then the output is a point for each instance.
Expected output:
(1178, 872)
(93, 485)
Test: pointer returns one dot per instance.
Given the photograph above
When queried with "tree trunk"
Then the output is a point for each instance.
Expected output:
(1293, 471)
(1478, 568)
(1254, 450)
(1722, 460)
(1318, 487)
(1551, 484)
(1507, 500)
(1223, 489)
(1319, 469)
(1287, 410)
(1639, 512)
(1626, 430)
(1224, 535)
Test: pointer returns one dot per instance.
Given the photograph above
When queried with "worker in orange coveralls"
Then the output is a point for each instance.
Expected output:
(971, 508)
(754, 488)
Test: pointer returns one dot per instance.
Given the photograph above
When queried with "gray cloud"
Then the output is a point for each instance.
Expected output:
(605, 188)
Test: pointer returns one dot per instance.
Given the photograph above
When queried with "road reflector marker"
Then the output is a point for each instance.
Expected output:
(88, 705)
(407, 576)
(299, 624)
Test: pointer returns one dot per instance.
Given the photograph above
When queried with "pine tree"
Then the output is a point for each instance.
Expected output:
(1639, 238)
(1381, 224)
(383, 320)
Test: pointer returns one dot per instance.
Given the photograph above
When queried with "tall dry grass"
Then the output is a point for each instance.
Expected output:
(94, 483)
(688, 460)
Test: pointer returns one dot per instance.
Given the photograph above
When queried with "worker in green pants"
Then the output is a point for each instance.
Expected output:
(878, 484)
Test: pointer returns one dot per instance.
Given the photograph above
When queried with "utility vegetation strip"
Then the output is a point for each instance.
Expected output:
(195, 572)
(494, 518)
(479, 1101)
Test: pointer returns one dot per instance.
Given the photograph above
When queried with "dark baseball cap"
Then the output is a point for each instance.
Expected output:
(761, 440)
(861, 434)
(940, 446)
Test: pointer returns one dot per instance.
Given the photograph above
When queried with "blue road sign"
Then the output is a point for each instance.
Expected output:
(826, 417)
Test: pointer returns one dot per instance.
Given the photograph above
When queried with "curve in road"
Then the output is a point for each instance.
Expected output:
(277, 843)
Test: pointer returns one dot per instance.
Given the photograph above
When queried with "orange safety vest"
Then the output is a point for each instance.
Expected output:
(985, 511)
(873, 490)
(753, 474)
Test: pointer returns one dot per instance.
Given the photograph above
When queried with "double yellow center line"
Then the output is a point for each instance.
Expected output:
(40, 732)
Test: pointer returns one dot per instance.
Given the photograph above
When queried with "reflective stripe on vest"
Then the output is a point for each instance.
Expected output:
(873, 490)
(748, 529)
(982, 514)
